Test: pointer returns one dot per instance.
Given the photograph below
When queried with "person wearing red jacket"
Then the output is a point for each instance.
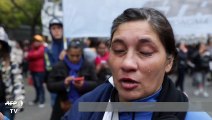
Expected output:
(36, 62)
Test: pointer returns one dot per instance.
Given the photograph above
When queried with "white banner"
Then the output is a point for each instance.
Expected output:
(93, 18)
(199, 25)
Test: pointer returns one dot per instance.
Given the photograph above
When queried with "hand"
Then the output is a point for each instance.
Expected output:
(68, 80)
(78, 78)
(78, 83)
(62, 55)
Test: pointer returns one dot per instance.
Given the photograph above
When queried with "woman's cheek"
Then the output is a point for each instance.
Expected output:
(153, 64)
(146, 66)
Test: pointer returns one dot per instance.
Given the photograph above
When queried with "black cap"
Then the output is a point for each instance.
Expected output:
(75, 43)
(55, 21)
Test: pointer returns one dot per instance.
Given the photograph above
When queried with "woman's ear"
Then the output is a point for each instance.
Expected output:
(169, 64)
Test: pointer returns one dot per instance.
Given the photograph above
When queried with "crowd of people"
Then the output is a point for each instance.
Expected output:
(195, 60)
(72, 68)
(75, 70)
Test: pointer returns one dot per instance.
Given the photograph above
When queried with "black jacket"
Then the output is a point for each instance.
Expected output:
(60, 71)
(201, 62)
(55, 83)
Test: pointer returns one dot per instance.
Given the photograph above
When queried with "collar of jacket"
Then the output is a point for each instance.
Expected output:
(168, 93)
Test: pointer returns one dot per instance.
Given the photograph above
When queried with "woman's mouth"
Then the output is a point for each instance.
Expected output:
(128, 84)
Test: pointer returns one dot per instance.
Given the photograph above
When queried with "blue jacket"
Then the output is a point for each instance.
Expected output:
(102, 94)
(52, 54)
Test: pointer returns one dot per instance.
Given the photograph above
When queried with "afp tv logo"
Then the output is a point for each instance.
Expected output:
(14, 106)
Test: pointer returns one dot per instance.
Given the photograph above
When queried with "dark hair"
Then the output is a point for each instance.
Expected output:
(93, 41)
(101, 42)
(75, 43)
(5, 50)
(157, 21)
(55, 21)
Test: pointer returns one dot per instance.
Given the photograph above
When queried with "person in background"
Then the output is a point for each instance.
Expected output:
(70, 78)
(17, 53)
(56, 48)
(11, 80)
(200, 58)
(210, 62)
(55, 51)
(141, 55)
(35, 58)
(26, 46)
(89, 50)
(101, 62)
(181, 66)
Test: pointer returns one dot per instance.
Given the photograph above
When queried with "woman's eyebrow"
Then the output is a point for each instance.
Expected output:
(117, 41)
(146, 41)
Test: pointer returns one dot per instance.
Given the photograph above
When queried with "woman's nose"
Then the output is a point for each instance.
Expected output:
(129, 63)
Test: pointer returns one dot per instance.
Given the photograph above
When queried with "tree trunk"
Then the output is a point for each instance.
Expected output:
(34, 23)
(33, 30)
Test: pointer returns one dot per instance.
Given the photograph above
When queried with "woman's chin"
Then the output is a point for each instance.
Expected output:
(128, 96)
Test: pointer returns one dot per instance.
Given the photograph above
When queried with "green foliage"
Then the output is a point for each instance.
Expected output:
(20, 12)
(6, 16)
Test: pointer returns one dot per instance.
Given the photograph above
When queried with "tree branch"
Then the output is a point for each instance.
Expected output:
(21, 9)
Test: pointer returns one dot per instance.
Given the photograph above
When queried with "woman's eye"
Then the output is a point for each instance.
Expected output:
(119, 51)
(147, 54)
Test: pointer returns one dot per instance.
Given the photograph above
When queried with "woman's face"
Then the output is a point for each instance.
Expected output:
(74, 54)
(101, 49)
(138, 60)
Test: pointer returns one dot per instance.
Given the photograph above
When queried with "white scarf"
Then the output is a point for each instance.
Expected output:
(108, 115)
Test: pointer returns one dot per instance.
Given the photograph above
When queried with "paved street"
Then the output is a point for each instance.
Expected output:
(35, 113)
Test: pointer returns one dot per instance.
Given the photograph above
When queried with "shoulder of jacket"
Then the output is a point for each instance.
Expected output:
(60, 64)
